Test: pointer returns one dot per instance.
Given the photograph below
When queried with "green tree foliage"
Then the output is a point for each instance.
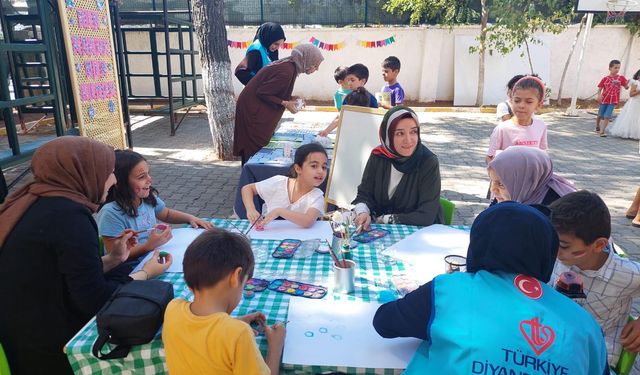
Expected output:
(512, 23)
(443, 12)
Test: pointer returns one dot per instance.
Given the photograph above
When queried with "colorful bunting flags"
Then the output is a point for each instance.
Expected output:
(243, 45)
(377, 43)
(286, 45)
(320, 44)
(326, 46)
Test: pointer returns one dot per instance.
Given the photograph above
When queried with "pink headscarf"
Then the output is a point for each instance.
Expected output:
(304, 56)
(527, 173)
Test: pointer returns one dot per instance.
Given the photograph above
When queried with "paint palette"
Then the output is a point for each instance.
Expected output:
(256, 285)
(298, 289)
(371, 235)
(286, 248)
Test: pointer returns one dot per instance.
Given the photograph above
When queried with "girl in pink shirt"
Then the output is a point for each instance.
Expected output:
(522, 129)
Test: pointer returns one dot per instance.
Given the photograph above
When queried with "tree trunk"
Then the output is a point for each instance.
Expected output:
(208, 21)
(627, 53)
(526, 44)
(483, 47)
(566, 64)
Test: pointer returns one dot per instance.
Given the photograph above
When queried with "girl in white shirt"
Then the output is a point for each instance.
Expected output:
(503, 110)
(295, 198)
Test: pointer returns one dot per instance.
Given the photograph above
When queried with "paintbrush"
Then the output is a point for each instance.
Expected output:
(252, 225)
(236, 227)
(135, 233)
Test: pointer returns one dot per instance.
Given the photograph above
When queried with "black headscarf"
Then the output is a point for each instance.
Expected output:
(268, 33)
(387, 149)
(515, 238)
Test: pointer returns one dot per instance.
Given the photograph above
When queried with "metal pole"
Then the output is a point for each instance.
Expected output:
(261, 12)
(124, 92)
(366, 13)
(571, 111)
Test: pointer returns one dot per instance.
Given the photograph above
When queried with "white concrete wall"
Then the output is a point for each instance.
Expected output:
(427, 56)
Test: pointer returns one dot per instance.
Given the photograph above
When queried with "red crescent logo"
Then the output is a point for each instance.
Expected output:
(529, 286)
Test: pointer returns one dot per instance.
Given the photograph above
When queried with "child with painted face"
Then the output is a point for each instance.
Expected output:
(133, 203)
(611, 283)
(522, 129)
(296, 197)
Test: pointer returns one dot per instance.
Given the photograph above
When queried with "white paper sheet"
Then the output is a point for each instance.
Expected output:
(425, 250)
(281, 229)
(341, 333)
(182, 238)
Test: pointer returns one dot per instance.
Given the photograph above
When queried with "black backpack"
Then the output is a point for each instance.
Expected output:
(132, 316)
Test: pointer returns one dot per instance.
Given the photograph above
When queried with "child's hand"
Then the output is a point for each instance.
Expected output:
(271, 216)
(254, 316)
(257, 317)
(196, 222)
(158, 239)
(153, 267)
(253, 215)
(630, 338)
(324, 133)
(275, 335)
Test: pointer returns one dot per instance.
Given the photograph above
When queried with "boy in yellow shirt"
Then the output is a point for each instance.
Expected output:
(200, 337)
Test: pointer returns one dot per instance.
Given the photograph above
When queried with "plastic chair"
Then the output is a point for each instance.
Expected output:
(625, 363)
(4, 363)
(448, 208)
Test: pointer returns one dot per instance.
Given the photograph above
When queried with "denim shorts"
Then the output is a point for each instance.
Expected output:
(606, 110)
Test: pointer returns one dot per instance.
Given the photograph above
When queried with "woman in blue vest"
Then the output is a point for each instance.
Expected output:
(261, 52)
(500, 317)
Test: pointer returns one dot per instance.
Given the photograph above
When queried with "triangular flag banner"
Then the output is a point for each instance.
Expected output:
(376, 43)
(326, 46)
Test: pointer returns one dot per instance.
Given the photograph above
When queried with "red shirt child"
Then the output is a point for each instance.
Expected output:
(610, 86)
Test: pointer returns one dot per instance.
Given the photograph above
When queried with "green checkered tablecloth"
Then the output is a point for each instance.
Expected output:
(373, 275)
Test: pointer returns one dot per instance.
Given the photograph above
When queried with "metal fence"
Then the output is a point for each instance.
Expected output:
(310, 12)
(291, 12)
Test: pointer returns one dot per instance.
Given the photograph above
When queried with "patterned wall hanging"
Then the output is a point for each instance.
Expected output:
(92, 70)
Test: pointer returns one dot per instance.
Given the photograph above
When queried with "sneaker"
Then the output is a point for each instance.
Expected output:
(597, 129)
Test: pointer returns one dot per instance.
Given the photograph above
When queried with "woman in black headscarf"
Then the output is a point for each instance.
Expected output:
(261, 52)
(500, 316)
(401, 181)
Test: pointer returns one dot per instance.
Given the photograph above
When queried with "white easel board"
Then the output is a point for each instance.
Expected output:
(357, 135)
(341, 333)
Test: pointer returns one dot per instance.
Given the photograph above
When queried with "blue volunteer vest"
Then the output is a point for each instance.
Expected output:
(257, 46)
(505, 324)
